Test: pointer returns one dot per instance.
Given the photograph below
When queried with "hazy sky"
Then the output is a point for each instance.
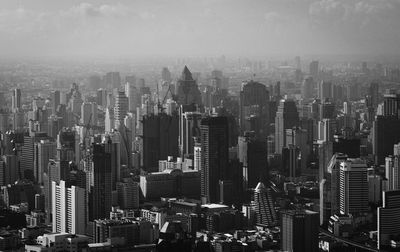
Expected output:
(198, 27)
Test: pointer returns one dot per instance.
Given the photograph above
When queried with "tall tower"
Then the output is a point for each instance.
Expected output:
(120, 109)
(314, 70)
(43, 151)
(287, 117)
(189, 129)
(100, 196)
(299, 231)
(307, 88)
(55, 100)
(16, 100)
(214, 155)
(254, 102)
(264, 206)
(325, 90)
(69, 209)
(133, 96)
(353, 187)
(188, 91)
(388, 218)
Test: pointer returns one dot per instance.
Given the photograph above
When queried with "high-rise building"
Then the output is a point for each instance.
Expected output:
(353, 187)
(55, 100)
(392, 172)
(252, 153)
(189, 129)
(299, 231)
(374, 94)
(327, 128)
(287, 117)
(166, 74)
(314, 70)
(214, 155)
(68, 208)
(101, 98)
(291, 161)
(307, 88)
(388, 218)
(109, 120)
(89, 113)
(254, 102)
(187, 89)
(128, 194)
(299, 137)
(10, 171)
(385, 134)
(264, 206)
(100, 193)
(43, 152)
(391, 104)
(325, 90)
(133, 95)
(16, 100)
(120, 109)
(160, 139)
(112, 80)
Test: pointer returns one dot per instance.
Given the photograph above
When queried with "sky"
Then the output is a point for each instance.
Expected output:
(91, 28)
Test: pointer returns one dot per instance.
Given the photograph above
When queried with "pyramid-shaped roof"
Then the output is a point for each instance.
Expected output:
(186, 74)
(260, 187)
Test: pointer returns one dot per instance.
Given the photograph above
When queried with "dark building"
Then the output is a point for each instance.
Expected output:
(55, 100)
(214, 155)
(264, 206)
(287, 117)
(299, 231)
(386, 133)
(252, 154)
(254, 103)
(160, 139)
(100, 193)
(350, 147)
(187, 89)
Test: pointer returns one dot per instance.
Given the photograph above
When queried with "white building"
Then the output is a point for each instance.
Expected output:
(69, 209)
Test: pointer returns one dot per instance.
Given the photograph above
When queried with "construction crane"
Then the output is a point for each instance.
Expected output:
(160, 105)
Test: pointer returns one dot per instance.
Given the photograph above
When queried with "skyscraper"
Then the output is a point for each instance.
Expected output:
(325, 90)
(252, 153)
(314, 70)
(43, 151)
(299, 231)
(133, 95)
(112, 80)
(189, 129)
(385, 133)
(187, 89)
(166, 74)
(388, 218)
(307, 88)
(68, 208)
(16, 100)
(120, 109)
(100, 193)
(353, 187)
(287, 117)
(264, 206)
(254, 102)
(214, 155)
(55, 100)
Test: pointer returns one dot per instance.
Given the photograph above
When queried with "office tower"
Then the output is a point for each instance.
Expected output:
(133, 95)
(391, 104)
(120, 109)
(187, 89)
(107, 229)
(299, 137)
(11, 171)
(327, 110)
(68, 208)
(109, 120)
(264, 206)
(113, 145)
(4, 125)
(3, 102)
(112, 80)
(214, 155)
(27, 159)
(347, 108)
(197, 155)
(128, 194)
(374, 94)
(68, 146)
(189, 129)
(324, 90)
(16, 100)
(314, 70)
(287, 117)
(291, 161)
(388, 218)
(254, 102)
(307, 88)
(100, 193)
(299, 231)
(327, 128)
(392, 173)
(55, 100)
(43, 151)
(353, 187)
(252, 153)
(166, 74)
(160, 139)
(87, 115)
(385, 133)
(101, 98)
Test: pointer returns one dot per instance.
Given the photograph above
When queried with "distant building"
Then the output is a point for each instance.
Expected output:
(264, 206)
(287, 117)
(187, 89)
